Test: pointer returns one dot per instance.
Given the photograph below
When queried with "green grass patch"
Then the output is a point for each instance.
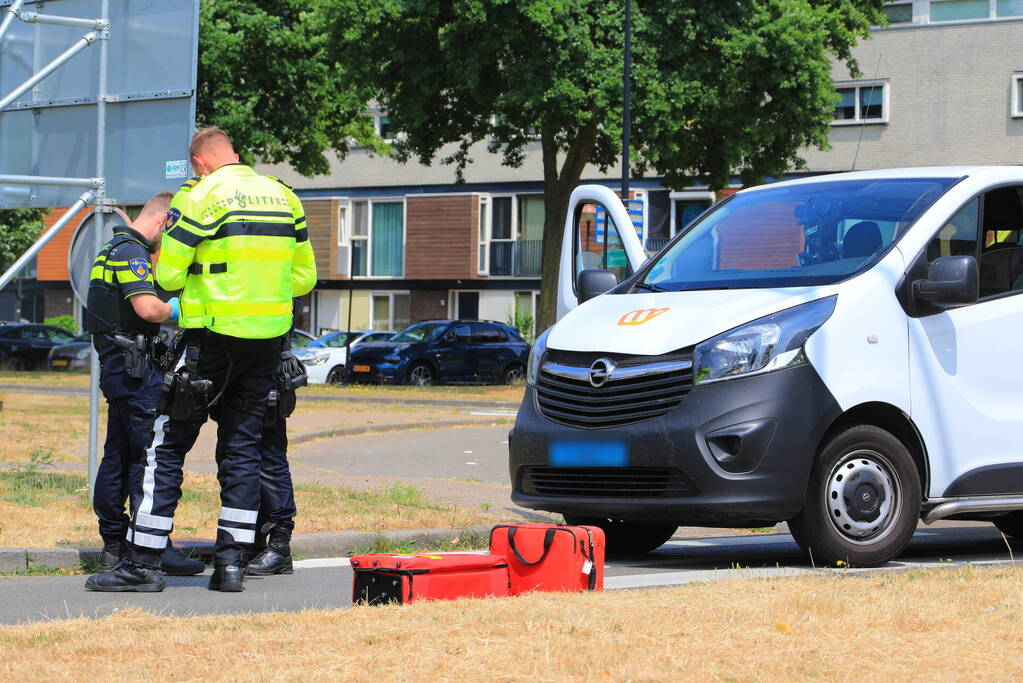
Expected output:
(398, 495)
(31, 484)
(466, 540)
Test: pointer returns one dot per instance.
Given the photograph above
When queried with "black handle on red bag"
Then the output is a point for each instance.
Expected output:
(548, 540)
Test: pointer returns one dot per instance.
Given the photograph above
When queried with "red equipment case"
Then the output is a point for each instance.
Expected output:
(428, 576)
(549, 557)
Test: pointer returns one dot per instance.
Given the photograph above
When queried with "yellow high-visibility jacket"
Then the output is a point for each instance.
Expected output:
(236, 244)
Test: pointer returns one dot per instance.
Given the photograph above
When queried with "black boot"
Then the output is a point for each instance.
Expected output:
(276, 559)
(176, 564)
(227, 579)
(112, 555)
(126, 578)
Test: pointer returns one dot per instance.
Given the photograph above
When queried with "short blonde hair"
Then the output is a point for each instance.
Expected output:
(206, 137)
(158, 203)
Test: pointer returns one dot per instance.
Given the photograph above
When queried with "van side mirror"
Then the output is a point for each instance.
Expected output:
(951, 281)
(593, 283)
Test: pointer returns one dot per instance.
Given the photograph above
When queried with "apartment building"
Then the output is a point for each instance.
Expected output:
(942, 84)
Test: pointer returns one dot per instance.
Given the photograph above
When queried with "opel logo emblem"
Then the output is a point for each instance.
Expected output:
(601, 371)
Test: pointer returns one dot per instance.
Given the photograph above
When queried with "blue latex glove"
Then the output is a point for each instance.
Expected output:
(175, 304)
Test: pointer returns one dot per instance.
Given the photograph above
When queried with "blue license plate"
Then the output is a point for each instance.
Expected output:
(586, 453)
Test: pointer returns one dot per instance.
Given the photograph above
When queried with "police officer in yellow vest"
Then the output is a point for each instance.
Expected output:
(236, 244)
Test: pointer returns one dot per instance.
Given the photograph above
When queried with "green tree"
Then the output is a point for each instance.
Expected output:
(719, 86)
(265, 79)
(19, 228)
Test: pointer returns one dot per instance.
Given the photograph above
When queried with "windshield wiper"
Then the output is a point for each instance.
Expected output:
(650, 288)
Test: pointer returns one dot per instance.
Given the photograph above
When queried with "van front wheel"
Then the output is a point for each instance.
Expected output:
(863, 502)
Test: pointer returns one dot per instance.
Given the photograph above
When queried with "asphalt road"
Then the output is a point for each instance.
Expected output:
(327, 583)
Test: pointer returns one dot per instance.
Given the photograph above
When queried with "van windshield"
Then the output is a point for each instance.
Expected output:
(796, 235)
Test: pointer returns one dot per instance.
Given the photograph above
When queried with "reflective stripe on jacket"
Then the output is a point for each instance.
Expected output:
(238, 247)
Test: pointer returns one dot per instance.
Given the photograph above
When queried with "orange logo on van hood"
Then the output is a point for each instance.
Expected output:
(641, 315)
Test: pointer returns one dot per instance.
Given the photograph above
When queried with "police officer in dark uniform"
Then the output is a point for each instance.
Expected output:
(124, 316)
(277, 493)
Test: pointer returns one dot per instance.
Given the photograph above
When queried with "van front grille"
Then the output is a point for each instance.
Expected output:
(606, 482)
(638, 388)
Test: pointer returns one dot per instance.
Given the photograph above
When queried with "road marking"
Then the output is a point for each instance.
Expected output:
(322, 562)
(472, 463)
(494, 413)
(467, 452)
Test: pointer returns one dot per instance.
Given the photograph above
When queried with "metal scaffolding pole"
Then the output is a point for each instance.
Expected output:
(79, 45)
(53, 181)
(12, 11)
(23, 260)
(97, 243)
(36, 18)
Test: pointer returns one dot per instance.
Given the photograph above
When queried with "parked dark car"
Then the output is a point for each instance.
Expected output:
(439, 351)
(26, 346)
(71, 356)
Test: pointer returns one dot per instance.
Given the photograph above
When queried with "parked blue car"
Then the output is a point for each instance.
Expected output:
(440, 351)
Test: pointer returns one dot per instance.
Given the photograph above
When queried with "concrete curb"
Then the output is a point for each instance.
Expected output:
(391, 427)
(383, 400)
(309, 546)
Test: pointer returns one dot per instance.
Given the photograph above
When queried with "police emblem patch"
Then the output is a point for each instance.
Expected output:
(171, 219)
(140, 267)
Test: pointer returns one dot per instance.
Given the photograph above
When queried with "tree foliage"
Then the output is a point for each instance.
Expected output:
(264, 77)
(19, 228)
(719, 86)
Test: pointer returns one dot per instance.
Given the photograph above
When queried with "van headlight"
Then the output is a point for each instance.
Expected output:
(536, 357)
(770, 343)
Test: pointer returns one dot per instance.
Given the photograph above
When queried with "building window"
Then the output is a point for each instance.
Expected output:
(510, 235)
(1010, 8)
(377, 238)
(1017, 94)
(899, 12)
(958, 10)
(360, 238)
(861, 103)
(342, 225)
(390, 310)
(382, 124)
(483, 257)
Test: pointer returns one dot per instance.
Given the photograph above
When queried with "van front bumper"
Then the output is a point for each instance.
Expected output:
(733, 453)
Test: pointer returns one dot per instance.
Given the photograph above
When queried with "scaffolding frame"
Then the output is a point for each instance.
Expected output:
(95, 195)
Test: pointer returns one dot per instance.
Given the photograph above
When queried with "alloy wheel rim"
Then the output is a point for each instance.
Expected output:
(421, 376)
(863, 496)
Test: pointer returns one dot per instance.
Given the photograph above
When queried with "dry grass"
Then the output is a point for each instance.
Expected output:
(47, 509)
(39, 423)
(475, 393)
(45, 379)
(943, 624)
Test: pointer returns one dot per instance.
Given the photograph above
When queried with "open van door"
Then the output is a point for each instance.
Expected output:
(599, 235)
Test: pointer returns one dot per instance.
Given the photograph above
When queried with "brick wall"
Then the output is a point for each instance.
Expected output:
(321, 218)
(429, 305)
(58, 302)
(440, 237)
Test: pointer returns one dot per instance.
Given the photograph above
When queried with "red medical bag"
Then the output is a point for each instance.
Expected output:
(428, 576)
(548, 557)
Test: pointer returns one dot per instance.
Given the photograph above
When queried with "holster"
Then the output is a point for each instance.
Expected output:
(185, 395)
(136, 354)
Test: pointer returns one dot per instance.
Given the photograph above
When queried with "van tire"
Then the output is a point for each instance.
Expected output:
(863, 501)
(627, 538)
(1011, 524)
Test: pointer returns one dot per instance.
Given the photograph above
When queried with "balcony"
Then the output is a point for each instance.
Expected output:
(518, 258)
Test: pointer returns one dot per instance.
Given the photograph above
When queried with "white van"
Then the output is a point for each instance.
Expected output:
(842, 352)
